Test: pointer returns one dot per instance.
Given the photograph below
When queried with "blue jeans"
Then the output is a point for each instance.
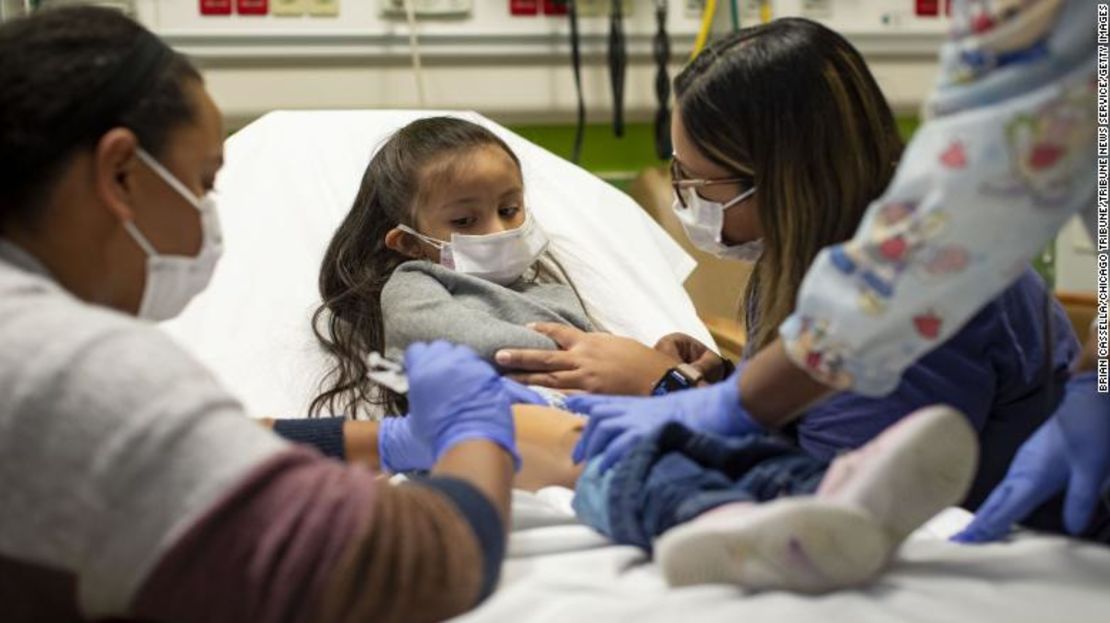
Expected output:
(677, 474)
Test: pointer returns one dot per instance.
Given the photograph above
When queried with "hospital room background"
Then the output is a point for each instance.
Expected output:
(309, 88)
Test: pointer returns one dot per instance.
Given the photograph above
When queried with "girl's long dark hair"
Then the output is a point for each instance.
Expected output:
(793, 103)
(357, 265)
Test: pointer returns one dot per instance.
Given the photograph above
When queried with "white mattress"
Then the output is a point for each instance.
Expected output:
(561, 571)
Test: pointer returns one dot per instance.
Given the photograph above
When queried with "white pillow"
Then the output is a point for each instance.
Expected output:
(289, 180)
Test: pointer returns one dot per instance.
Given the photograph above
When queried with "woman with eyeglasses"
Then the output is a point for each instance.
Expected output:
(782, 139)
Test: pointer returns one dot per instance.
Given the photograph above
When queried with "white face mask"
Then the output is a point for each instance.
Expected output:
(173, 280)
(501, 258)
(703, 219)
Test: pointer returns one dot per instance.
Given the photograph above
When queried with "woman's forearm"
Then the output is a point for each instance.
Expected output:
(484, 465)
(774, 391)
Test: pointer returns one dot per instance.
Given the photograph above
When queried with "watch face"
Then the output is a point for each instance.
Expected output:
(672, 381)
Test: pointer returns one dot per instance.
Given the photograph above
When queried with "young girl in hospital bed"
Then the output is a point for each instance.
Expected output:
(438, 245)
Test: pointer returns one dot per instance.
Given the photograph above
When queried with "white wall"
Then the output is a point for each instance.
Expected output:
(508, 68)
(542, 90)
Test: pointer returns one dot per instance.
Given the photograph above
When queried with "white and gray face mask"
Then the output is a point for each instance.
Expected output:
(173, 280)
(703, 219)
(500, 258)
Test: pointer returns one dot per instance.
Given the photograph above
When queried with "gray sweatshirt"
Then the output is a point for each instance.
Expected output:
(423, 301)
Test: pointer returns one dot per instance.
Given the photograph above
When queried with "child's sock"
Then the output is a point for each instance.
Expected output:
(801, 544)
(909, 473)
(868, 503)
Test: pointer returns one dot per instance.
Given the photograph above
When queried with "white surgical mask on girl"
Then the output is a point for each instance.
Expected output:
(702, 219)
(500, 258)
(173, 280)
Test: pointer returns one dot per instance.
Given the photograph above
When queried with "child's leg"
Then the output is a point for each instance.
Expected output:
(545, 438)
(868, 502)
(675, 474)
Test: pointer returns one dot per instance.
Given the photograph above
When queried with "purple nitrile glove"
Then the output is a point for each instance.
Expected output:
(455, 396)
(1071, 450)
(617, 422)
(398, 450)
(520, 394)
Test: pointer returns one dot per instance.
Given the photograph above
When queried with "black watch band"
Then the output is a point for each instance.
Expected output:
(727, 368)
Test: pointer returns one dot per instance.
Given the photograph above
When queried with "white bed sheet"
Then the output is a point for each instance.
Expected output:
(289, 180)
(560, 571)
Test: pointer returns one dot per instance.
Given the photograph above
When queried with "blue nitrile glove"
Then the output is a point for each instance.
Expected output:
(1071, 449)
(617, 422)
(454, 396)
(522, 394)
(398, 450)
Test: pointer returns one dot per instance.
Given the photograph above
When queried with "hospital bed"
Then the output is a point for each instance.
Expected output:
(290, 178)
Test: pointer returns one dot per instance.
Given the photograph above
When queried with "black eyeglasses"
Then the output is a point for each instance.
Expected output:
(680, 183)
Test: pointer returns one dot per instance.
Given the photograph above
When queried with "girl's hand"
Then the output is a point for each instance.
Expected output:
(688, 350)
(598, 363)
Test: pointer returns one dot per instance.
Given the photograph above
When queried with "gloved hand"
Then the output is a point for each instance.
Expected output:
(617, 422)
(1071, 449)
(398, 450)
(454, 396)
(520, 394)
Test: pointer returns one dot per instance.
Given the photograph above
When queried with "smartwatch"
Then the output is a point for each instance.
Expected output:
(683, 376)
